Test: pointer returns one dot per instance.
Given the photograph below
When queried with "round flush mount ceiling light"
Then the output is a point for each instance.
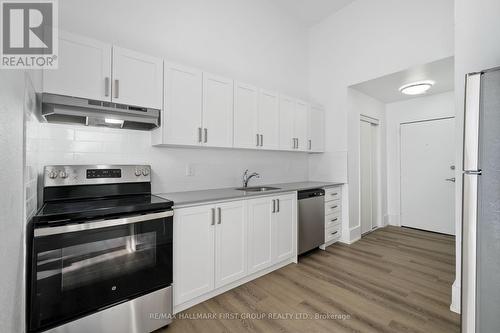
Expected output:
(416, 88)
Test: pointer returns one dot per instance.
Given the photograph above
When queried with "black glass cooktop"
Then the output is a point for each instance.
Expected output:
(62, 211)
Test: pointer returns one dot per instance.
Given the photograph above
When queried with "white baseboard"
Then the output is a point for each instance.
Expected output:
(392, 220)
(455, 297)
(186, 305)
(352, 236)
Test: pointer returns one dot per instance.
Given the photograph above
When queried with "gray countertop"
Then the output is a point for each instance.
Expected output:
(189, 198)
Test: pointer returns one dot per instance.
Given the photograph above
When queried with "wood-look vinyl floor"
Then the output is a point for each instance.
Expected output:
(392, 280)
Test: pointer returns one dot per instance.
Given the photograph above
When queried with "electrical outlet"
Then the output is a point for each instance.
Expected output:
(189, 170)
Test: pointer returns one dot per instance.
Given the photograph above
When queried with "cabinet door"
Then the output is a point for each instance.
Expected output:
(285, 227)
(181, 121)
(245, 116)
(84, 69)
(193, 252)
(137, 79)
(287, 116)
(260, 242)
(217, 116)
(316, 129)
(269, 119)
(300, 125)
(230, 243)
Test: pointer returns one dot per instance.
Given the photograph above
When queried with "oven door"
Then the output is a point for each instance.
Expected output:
(81, 268)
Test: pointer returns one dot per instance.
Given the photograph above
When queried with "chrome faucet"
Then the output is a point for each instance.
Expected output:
(247, 177)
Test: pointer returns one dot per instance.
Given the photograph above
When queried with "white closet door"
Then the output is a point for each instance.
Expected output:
(366, 163)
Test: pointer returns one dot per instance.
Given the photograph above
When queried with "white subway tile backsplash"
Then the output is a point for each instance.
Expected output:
(73, 144)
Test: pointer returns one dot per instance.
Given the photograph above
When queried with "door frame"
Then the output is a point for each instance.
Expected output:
(400, 220)
(377, 179)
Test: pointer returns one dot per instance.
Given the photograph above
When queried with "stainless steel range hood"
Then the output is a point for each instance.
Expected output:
(74, 110)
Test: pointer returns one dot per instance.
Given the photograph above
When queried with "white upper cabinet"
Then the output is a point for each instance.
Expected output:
(181, 118)
(300, 125)
(230, 242)
(217, 113)
(287, 123)
(84, 69)
(137, 78)
(316, 129)
(246, 116)
(269, 120)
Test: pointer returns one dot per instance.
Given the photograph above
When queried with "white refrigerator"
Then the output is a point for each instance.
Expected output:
(481, 204)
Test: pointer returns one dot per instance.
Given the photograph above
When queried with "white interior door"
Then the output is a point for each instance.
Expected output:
(367, 179)
(427, 171)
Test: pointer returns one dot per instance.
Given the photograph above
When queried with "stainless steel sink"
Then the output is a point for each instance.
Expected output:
(257, 188)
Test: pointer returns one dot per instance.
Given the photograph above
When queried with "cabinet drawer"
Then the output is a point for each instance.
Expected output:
(332, 207)
(333, 233)
(333, 193)
(332, 220)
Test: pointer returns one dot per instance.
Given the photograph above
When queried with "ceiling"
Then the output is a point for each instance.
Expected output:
(386, 88)
(311, 12)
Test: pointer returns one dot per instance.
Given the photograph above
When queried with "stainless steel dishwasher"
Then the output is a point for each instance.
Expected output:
(311, 219)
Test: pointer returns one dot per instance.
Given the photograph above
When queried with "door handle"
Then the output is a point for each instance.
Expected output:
(310, 144)
(219, 210)
(278, 206)
(335, 219)
(213, 216)
(274, 206)
(297, 143)
(106, 86)
(206, 135)
(199, 134)
(261, 140)
(333, 207)
(451, 179)
(258, 143)
(116, 88)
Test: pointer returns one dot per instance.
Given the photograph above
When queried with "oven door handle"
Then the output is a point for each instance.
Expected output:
(47, 231)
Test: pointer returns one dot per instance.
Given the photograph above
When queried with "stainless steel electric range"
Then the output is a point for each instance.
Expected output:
(100, 252)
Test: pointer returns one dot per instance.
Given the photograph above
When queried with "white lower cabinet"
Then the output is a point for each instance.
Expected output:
(271, 230)
(194, 255)
(260, 233)
(285, 239)
(209, 248)
(230, 243)
(219, 246)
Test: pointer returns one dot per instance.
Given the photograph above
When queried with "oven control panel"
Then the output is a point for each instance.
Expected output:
(69, 175)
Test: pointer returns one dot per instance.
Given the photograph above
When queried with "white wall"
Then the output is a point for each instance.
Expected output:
(252, 41)
(18, 195)
(476, 48)
(365, 40)
(422, 108)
